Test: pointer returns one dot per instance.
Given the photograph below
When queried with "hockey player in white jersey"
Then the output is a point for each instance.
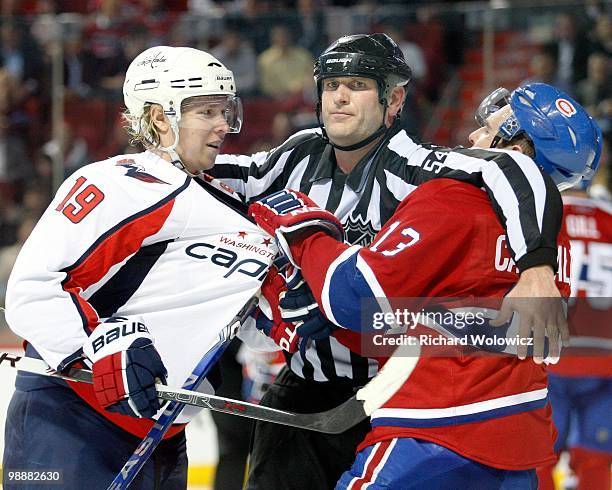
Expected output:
(132, 270)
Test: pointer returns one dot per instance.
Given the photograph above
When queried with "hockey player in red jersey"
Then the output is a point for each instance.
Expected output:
(580, 385)
(360, 164)
(133, 269)
(464, 420)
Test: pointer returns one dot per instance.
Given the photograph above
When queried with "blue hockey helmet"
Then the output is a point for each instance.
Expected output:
(566, 139)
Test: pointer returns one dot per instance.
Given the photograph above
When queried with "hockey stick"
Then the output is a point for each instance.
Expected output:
(334, 421)
(153, 438)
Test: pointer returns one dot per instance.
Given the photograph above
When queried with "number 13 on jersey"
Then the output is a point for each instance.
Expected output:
(409, 232)
(75, 206)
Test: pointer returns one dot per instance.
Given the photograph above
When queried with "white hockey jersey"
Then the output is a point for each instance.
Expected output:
(135, 236)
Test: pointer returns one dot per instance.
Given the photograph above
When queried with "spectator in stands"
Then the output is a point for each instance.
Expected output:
(152, 8)
(8, 223)
(282, 128)
(412, 51)
(570, 49)
(8, 7)
(74, 150)
(179, 35)
(16, 224)
(80, 67)
(441, 40)
(47, 7)
(15, 165)
(255, 18)
(543, 69)
(313, 26)
(204, 7)
(157, 19)
(20, 56)
(31, 203)
(43, 171)
(34, 200)
(595, 91)
(412, 119)
(108, 23)
(238, 55)
(112, 73)
(284, 68)
(602, 35)
(134, 43)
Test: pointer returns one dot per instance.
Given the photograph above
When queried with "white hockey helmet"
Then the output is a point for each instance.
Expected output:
(168, 75)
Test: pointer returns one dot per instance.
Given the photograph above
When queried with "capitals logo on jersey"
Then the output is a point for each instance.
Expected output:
(137, 172)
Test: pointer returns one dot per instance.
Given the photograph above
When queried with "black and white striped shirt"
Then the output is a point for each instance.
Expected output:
(526, 202)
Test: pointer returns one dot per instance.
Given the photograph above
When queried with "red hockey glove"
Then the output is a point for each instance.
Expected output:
(275, 328)
(296, 317)
(284, 334)
(126, 367)
(285, 213)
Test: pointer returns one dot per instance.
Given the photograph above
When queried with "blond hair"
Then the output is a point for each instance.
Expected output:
(142, 129)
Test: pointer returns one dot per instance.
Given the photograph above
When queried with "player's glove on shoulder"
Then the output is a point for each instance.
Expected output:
(289, 215)
(126, 367)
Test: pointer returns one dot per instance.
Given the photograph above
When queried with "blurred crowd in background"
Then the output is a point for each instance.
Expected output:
(271, 46)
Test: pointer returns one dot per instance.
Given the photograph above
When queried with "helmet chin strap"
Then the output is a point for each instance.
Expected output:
(364, 142)
(171, 150)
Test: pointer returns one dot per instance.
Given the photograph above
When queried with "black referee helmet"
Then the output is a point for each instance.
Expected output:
(374, 56)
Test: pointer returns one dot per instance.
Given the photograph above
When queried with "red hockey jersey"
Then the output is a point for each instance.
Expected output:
(589, 226)
(443, 241)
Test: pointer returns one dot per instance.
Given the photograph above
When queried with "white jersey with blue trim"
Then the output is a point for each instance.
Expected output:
(133, 236)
